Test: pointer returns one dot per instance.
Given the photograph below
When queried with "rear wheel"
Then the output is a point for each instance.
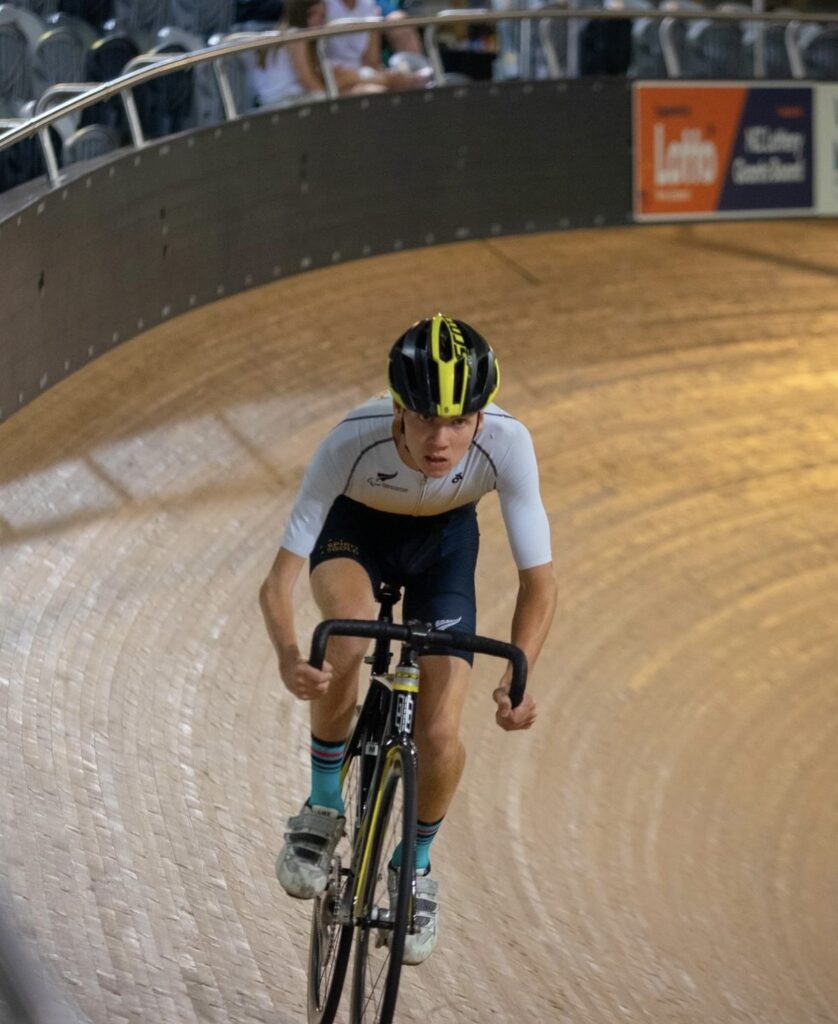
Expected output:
(331, 940)
(382, 926)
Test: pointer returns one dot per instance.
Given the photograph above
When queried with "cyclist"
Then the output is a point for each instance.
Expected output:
(390, 496)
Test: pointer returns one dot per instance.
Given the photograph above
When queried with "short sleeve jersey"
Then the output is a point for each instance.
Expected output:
(359, 459)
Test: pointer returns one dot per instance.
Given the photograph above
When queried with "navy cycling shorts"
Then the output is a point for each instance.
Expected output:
(432, 557)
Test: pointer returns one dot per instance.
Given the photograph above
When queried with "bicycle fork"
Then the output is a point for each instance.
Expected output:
(405, 687)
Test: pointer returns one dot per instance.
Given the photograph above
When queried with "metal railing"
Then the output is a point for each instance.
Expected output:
(51, 108)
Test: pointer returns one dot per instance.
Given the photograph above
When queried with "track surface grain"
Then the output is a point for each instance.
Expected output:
(662, 847)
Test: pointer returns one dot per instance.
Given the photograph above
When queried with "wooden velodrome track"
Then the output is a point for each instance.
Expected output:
(661, 847)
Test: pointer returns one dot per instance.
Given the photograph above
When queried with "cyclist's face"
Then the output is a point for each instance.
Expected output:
(435, 444)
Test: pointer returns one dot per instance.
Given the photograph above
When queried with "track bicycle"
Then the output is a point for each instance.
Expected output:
(378, 785)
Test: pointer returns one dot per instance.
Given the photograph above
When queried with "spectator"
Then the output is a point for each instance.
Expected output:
(287, 72)
(356, 58)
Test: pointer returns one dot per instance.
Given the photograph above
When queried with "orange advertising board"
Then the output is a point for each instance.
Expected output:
(683, 141)
(704, 149)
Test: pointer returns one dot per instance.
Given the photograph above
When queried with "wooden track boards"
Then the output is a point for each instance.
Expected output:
(660, 848)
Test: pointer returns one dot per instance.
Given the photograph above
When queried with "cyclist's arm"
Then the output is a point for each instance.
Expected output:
(528, 530)
(276, 599)
(534, 610)
(321, 485)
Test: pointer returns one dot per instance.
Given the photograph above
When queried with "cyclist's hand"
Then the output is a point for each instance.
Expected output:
(509, 718)
(304, 681)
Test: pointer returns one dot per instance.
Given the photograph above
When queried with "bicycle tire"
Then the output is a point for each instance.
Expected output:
(376, 975)
(330, 942)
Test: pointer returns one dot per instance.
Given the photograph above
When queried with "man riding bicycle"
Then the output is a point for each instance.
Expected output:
(390, 496)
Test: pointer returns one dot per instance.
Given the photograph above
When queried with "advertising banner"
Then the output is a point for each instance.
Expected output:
(728, 150)
(826, 129)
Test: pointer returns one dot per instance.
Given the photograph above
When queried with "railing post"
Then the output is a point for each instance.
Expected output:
(548, 48)
(133, 115)
(759, 42)
(228, 100)
(573, 33)
(434, 55)
(798, 69)
(670, 51)
(50, 159)
(329, 79)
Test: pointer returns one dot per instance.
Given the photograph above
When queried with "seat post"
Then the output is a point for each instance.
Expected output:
(388, 597)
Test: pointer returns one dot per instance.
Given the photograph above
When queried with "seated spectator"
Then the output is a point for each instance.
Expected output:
(356, 58)
(283, 73)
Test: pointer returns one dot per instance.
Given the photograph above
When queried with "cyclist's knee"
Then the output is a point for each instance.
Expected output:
(439, 737)
(345, 653)
(342, 589)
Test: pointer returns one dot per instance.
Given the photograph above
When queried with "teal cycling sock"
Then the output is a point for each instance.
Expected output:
(425, 833)
(326, 759)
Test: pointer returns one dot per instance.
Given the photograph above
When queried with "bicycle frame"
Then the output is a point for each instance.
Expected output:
(382, 752)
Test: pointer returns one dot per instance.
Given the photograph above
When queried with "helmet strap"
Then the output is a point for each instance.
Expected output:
(478, 423)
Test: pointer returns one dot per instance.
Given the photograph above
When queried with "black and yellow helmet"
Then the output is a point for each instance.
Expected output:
(443, 367)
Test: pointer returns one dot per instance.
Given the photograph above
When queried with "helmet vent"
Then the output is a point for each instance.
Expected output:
(445, 346)
(433, 381)
(410, 374)
(459, 380)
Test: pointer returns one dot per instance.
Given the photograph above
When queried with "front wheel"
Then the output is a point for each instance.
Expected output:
(331, 939)
(385, 916)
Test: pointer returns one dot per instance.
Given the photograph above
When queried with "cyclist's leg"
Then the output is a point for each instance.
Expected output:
(444, 687)
(342, 589)
(344, 577)
(443, 594)
(440, 592)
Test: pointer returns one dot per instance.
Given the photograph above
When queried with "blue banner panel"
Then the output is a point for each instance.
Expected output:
(771, 165)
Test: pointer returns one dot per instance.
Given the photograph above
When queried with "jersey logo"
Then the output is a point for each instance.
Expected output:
(383, 480)
(442, 624)
(457, 478)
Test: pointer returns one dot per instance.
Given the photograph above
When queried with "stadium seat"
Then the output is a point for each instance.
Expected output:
(713, 49)
(41, 8)
(58, 56)
(167, 104)
(819, 50)
(202, 17)
(646, 51)
(15, 63)
(140, 15)
(24, 161)
(94, 12)
(776, 54)
(87, 143)
(83, 29)
(605, 46)
(106, 60)
(268, 11)
(674, 36)
(31, 26)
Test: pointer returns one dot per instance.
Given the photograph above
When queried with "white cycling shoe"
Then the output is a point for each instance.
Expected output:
(302, 866)
(419, 944)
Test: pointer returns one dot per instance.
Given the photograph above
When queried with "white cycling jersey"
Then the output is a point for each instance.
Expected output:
(359, 459)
